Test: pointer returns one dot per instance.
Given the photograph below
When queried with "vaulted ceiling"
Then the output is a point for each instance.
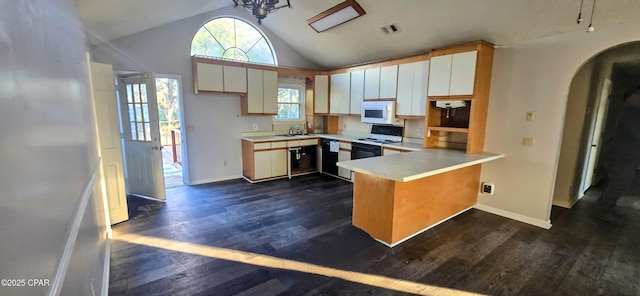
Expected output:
(423, 24)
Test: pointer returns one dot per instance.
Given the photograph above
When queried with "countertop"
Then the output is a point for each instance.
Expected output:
(270, 138)
(411, 166)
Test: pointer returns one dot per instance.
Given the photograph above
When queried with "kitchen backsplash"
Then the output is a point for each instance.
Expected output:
(413, 128)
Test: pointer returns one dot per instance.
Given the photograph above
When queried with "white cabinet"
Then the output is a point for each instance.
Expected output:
(372, 84)
(380, 83)
(388, 82)
(279, 162)
(453, 75)
(262, 93)
(262, 164)
(357, 91)
(321, 94)
(412, 88)
(235, 79)
(209, 77)
(340, 93)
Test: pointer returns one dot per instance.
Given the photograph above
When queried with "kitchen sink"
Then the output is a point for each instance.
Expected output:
(293, 135)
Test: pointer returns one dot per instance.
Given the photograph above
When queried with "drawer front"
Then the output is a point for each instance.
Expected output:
(345, 145)
(309, 142)
(294, 143)
(261, 146)
(281, 144)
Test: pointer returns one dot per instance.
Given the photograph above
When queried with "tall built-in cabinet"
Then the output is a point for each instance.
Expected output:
(459, 76)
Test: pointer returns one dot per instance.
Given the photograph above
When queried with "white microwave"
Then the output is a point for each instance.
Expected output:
(382, 112)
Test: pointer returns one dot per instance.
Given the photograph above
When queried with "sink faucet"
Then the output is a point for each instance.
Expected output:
(294, 130)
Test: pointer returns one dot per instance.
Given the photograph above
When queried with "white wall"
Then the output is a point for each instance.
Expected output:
(213, 122)
(535, 76)
(48, 153)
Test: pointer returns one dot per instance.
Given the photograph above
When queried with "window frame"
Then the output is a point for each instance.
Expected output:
(302, 102)
(235, 18)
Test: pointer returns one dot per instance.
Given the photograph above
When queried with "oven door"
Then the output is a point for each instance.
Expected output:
(359, 150)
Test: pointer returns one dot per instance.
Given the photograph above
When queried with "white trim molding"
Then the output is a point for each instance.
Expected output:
(514, 216)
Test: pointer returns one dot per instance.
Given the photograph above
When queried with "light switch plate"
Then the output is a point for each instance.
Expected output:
(527, 141)
(530, 115)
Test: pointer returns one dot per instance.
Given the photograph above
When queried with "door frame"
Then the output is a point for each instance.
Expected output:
(182, 127)
(601, 106)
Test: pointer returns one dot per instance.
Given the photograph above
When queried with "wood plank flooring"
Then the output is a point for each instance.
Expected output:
(308, 219)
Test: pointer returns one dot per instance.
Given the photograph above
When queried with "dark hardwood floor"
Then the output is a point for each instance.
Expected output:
(308, 219)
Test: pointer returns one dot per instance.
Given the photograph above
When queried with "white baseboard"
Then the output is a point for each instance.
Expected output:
(514, 216)
(211, 180)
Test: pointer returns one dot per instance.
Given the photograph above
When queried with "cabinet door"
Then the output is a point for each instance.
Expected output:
(372, 84)
(357, 91)
(420, 85)
(344, 155)
(209, 77)
(262, 164)
(440, 75)
(463, 73)
(321, 94)
(279, 162)
(405, 89)
(388, 82)
(255, 94)
(270, 92)
(339, 94)
(235, 79)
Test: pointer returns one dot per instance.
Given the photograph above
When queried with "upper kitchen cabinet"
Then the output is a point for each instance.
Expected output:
(458, 96)
(340, 93)
(262, 93)
(453, 74)
(321, 95)
(218, 78)
(357, 91)
(412, 88)
(380, 83)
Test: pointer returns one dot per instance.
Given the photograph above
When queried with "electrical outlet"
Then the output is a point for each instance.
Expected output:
(530, 115)
(527, 141)
(255, 126)
(487, 188)
(225, 163)
(344, 126)
(419, 132)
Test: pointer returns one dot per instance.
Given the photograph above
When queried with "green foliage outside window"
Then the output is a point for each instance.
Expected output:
(289, 103)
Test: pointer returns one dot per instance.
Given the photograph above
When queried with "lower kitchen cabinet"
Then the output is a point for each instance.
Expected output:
(263, 160)
(344, 155)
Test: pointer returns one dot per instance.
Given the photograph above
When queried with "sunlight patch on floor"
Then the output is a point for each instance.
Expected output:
(275, 262)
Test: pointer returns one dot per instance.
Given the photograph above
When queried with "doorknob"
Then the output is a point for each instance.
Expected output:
(156, 148)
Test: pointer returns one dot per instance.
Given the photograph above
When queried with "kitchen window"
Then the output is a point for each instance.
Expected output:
(290, 102)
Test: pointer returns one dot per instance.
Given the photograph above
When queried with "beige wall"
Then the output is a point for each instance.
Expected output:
(535, 76)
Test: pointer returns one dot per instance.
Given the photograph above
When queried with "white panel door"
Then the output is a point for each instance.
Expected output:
(270, 92)
(321, 95)
(262, 164)
(143, 155)
(463, 73)
(388, 82)
(405, 89)
(279, 162)
(440, 75)
(356, 91)
(209, 77)
(110, 149)
(420, 86)
(255, 93)
(339, 93)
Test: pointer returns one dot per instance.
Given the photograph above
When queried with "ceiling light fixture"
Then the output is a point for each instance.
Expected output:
(579, 20)
(336, 15)
(593, 9)
(260, 8)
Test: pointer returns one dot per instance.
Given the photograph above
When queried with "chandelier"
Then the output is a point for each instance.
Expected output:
(260, 8)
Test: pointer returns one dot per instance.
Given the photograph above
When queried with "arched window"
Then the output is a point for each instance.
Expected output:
(232, 39)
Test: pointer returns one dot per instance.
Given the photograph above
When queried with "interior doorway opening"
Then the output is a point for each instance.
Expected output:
(168, 89)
